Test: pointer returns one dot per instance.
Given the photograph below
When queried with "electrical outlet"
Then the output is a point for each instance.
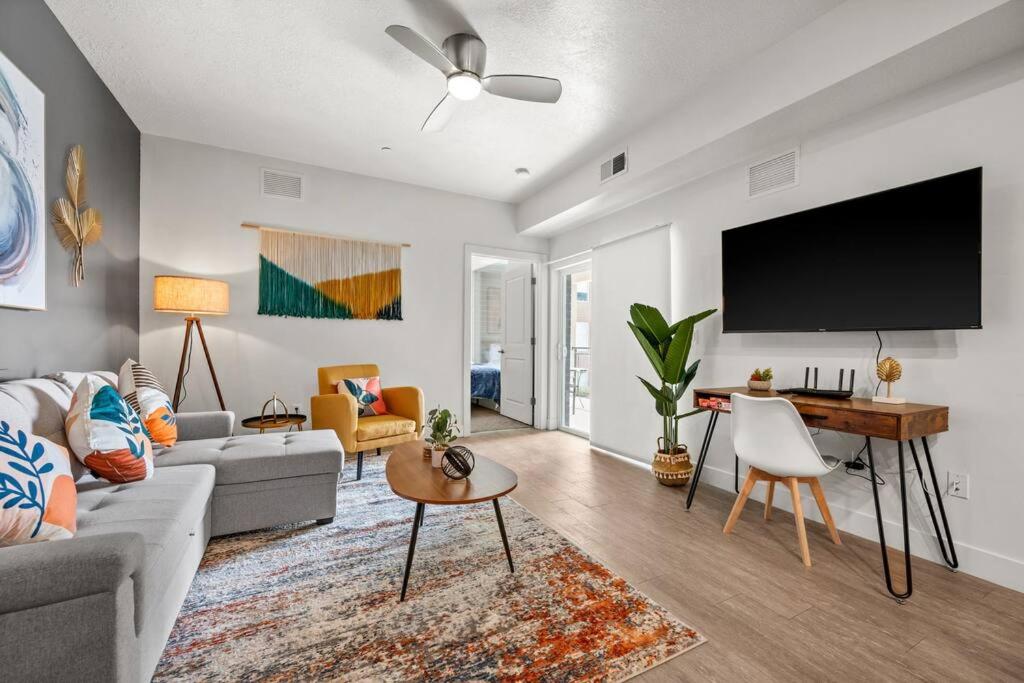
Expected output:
(958, 484)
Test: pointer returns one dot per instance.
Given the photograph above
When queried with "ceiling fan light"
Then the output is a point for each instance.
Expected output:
(464, 85)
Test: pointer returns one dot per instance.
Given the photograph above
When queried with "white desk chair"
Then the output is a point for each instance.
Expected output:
(769, 435)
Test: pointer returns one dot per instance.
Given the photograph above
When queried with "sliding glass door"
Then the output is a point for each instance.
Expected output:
(574, 348)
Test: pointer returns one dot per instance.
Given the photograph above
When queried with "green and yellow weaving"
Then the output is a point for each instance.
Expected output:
(315, 276)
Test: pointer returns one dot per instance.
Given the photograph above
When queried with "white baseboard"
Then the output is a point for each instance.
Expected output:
(621, 456)
(985, 564)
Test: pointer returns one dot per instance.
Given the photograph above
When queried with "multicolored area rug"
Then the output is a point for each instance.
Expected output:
(309, 602)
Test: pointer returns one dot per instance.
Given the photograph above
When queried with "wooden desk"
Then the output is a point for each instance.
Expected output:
(861, 416)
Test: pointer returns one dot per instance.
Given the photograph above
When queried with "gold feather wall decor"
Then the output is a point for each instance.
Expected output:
(889, 370)
(76, 226)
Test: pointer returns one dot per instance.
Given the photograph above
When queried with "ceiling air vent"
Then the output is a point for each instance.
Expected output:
(280, 184)
(771, 175)
(614, 166)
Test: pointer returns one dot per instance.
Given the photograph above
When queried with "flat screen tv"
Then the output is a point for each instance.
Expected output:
(908, 258)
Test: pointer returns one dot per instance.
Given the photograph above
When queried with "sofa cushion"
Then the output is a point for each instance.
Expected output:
(147, 397)
(40, 406)
(37, 492)
(106, 435)
(259, 457)
(166, 510)
(383, 426)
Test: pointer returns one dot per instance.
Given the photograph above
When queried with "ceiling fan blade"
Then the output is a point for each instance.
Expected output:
(529, 88)
(422, 48)
(441, 114)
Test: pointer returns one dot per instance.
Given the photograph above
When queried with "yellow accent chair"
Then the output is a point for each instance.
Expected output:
(340, 412)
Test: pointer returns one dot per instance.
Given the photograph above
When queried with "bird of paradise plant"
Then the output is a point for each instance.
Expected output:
(668, 349)
(76, 226)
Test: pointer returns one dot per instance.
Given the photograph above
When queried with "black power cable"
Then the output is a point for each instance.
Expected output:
(856, 465)
(188, 367)
(878, 356)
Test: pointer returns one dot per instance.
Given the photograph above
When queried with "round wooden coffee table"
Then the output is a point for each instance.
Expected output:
(410, 476)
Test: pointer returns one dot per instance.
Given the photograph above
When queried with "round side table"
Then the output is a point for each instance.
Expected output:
(266, 422)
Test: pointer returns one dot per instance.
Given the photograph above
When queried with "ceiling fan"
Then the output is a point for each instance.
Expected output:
(461, 59)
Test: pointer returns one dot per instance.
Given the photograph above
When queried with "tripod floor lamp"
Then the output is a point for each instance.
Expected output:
(193, 296)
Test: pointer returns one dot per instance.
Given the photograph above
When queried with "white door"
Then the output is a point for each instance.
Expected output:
(517, 343)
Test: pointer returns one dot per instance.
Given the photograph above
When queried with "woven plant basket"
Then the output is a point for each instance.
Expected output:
(672, 469)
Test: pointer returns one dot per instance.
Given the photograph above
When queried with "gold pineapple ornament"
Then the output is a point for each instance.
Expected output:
(76, 226)
(889, 371)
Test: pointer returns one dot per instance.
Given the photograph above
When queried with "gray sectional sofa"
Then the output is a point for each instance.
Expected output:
(100, 606)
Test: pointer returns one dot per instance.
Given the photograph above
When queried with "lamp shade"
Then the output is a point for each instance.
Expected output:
(193, 295)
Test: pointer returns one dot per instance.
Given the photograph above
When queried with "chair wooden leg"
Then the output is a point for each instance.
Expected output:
(768, 500)
(741, 499)
(798, 515)
(359, 466)
(819, 495)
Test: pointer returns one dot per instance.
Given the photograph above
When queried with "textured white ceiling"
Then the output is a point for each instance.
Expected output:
(319, 82)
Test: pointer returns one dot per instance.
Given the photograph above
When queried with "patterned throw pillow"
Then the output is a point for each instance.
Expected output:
(106, 435)
(144, 393)
(37, 493)
(368, 394)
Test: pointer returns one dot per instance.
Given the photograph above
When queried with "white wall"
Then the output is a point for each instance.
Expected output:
(193, 199)
(974, 119)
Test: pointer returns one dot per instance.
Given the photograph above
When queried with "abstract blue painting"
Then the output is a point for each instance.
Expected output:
(22, 214)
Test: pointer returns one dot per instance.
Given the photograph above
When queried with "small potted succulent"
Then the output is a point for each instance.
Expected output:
(443, 428)
(760, 380)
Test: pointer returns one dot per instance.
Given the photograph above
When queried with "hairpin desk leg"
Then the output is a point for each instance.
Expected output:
(712, 419)
(900, 597)
(948, 557)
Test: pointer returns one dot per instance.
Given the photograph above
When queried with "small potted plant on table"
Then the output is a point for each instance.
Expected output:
(443, 428)
(760, 380)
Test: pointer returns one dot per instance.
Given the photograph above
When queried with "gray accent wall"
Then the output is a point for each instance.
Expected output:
(96, 325)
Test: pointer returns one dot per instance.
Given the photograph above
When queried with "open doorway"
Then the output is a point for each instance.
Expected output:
(575, 368)
(502, 339)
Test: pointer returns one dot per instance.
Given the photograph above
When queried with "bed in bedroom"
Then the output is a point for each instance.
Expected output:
(485, 381)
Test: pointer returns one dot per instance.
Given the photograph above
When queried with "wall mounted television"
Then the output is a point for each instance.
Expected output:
(908, 258)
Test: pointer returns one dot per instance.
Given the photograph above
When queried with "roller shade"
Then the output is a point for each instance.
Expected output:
(626, 271)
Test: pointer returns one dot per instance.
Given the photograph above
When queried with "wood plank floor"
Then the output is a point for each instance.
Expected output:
(766, 616)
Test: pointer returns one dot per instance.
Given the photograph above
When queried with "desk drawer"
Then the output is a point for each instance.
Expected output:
(850, 421)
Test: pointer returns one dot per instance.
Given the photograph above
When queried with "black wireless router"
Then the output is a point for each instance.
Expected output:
(824, 393)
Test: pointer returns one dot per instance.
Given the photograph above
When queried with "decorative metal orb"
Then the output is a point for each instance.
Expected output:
(457, 462)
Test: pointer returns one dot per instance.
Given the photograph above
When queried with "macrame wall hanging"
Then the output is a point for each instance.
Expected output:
(307, 275)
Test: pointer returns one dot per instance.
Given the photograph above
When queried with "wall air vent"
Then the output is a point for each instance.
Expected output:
(615, 166)
(771, 175)
(280, 184)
